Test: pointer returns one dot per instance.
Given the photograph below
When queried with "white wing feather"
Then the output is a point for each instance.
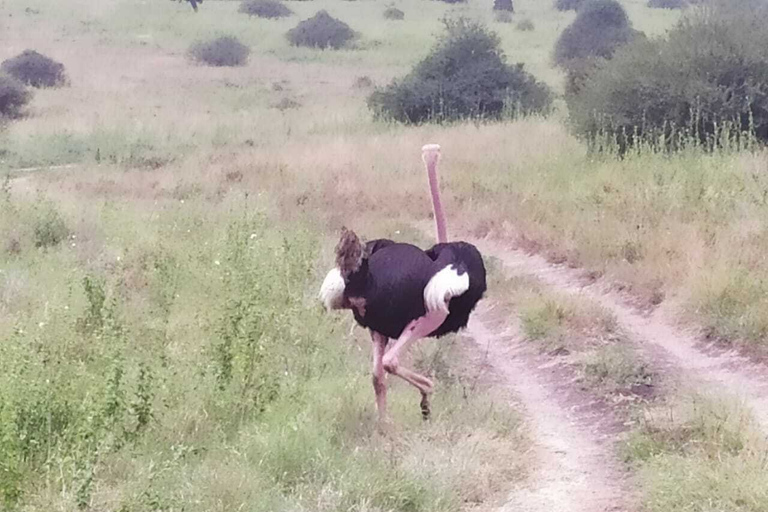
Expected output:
(444, 286)
(332, 290)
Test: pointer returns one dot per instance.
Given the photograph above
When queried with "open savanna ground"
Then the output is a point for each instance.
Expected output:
(165, 226)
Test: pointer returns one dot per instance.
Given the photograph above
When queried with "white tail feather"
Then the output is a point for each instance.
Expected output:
(332, 290)
(444, 286)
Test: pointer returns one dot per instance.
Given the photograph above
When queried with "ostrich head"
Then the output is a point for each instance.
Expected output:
(430, 153)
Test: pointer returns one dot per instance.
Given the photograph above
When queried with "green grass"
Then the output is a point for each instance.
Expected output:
(702, 454)
(168, 351)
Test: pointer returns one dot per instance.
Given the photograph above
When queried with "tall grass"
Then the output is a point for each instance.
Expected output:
(700, 454)
(168, 353)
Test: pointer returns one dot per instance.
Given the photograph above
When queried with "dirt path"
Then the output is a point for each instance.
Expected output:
(670, 349)
(573, 442)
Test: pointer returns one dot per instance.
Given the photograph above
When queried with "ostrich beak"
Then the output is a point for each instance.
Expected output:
(430, 153)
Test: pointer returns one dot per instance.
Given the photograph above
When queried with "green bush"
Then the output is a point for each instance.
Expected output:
(600, 27)
(393, 13)
(705, 81)
(321, 31)
(50, 228)
(222, 51)
(503, 5)
(35, 69)
(464, 76)
(13, 96)
(568, 5)
(271, 9)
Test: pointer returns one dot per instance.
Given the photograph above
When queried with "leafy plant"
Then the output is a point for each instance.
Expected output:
(222, 51)
(321, 31)
(35, 69)
(464, 76)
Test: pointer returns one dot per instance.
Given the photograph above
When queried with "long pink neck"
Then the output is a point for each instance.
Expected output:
(434, 188)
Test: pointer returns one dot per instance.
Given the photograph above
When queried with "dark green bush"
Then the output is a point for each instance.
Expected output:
(50, 228)
(667, 4)
(706, 80)
(568, 5)
(271, 9)
(321, 31)
(35, 69)
(393, 13)
(222, 51)
(503, 5)
(13, 96)
(464, 76)
(600, 27)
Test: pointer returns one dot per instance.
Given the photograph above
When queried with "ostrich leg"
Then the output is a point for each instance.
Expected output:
(379, 376)
(417, 329)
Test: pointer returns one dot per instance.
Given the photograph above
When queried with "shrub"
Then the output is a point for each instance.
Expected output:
(464, 76)
(222, 51)
(600, 27)
(525, 25)
(321, 31)
(35, 69)
(393, 13)
(706, 78)
(13, 96)
(271, 9)
(503, 5)
(667, 4)
(50, 228)
(569, 5)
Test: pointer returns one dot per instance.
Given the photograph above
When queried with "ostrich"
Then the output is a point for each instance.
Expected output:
(400, 292)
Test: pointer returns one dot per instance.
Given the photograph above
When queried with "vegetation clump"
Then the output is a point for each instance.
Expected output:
(321, 31)
(13, 96)
(270, 9)
(35, 69)
(222, 51)
(464, 76)
(600, 27)
(705, 81)
(503, 5)
(393, 13)
(568, 5)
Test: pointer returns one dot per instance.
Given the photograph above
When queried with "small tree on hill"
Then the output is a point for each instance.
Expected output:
(600, 27)
(321, 31)
(503, 5)
(465, 76)
(222, 51)
(35, 69)
(270, 9)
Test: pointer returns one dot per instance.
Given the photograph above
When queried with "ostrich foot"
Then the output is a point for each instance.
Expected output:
(425, 409)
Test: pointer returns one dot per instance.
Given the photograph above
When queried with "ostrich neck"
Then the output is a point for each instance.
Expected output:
(437, 205)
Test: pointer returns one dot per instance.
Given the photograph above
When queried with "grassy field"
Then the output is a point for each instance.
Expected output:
(160, 342)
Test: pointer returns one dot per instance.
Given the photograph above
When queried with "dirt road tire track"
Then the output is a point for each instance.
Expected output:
(675, 352)
(574, 446)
